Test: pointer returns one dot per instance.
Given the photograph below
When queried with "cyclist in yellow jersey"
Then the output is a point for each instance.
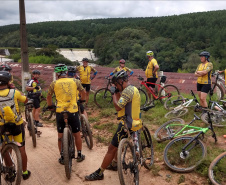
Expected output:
(121, 67)
(128, 105)
(17, 129)
(203, 72)
(84, 73)
(151, 72)
(66, 91)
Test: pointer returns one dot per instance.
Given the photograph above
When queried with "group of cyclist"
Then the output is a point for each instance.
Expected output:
(69, 87)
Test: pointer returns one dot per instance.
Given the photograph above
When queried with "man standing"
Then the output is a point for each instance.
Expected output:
(122, 66)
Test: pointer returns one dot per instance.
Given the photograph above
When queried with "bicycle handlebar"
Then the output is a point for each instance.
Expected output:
(147, 108)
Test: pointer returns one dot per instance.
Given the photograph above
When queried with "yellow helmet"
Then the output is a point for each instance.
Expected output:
(150, 53)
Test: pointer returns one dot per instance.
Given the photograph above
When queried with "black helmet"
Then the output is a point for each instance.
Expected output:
(5, 77)
(119, 75)
(85, 59)
(71, 69)
(5, 67)
(205, 54)
(36, 72)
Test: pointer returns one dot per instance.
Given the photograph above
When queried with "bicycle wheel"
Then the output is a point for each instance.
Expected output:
(68, 151)
(218, 92)
(185, 161)
(87, 134)
(173, 102)
(147, 151)
(143, 98)
(12, 165)
(168, 129)
(26, 114)
(127, 165)
(218, 119)
(217, 170)
(103, 98)
(32, 129)
(45, 114)
(176, 113)
(168, 91)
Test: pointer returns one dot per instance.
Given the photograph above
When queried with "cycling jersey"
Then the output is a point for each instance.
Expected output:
(17, 98)
(84, 73)
(119, 69)
(34, 83)
(66, 91)
(150, 68)
(206, 79)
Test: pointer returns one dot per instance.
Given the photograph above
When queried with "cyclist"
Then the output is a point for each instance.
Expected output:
(151, 72)
(203, 72)
(126, 100)
(18, 132)
(122, 67)
(66, 91)
(9, 69)
(34, 92)
(84, 72)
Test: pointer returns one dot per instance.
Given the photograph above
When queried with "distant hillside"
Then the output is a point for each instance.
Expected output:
(175, 40)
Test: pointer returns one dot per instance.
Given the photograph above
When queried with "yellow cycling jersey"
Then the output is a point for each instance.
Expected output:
(206, 79)
(18, 97)
(84, 73)
(129, 103)
(150, 68)
(119, 69)
(66, 91)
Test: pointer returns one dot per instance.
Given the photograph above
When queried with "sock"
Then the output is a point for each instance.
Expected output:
(114, 163)
(100, 171)
(26, 172)
(79, 153)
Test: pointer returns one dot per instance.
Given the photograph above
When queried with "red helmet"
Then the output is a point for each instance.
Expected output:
(122, 61)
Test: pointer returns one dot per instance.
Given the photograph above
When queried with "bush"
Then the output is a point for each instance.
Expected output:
(62, 61)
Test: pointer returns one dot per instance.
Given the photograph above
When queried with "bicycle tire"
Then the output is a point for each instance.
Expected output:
(167, 91)
(219, 164)
(32, 129)
(86, 131)
(66, 152)
(218, 92)
(45, 114)
(13, 151)
(176, 113)
(147, 150)
(127, 168)
(173, 102)
(26, 114)
(163, 134)
(143, 98)
(218, 119)
(103, 98)
(175, 159)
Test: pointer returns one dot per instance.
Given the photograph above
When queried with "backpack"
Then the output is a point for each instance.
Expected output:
(8, 113)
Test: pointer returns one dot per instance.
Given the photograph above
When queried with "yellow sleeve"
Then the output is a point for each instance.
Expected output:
(92, 69)
(128, 69)
(19, 96)
(126, 97)
(209, 67)
(79, 85)
(154, 62)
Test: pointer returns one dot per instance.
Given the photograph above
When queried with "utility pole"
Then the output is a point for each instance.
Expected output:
(23, 44)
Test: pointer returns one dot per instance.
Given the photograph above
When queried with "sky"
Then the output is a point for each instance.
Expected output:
(63, 10)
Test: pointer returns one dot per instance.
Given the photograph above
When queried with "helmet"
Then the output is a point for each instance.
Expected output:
(150, 53)
(85, 59)
(60, 68)
(36, 72)
(119, 75)
(71, 69)
(122, 61)
(205, 54)
(5, 77)
(5, 67)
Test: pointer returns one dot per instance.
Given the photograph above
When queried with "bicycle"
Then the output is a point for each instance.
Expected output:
(103, 97)
(161, 92)
(184, 154)
(179, 104)
(10, 158)
(46, 114)
(133, 151)
(217, 92)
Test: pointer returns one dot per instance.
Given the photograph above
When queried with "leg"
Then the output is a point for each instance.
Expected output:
(37, 112)
(60, 136)
(109, 156)
(24, 158)
(87, 97)
(203, 102)
(78, 141)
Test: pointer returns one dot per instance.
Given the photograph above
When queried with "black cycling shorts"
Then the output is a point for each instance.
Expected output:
(86, 87)
(203, 87)
(119, 135)
(152, 80)
(36, 102)
(73, 121)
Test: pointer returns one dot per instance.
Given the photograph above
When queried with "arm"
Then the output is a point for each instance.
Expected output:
(49, 95)
(204, 72)
(116, 98)
(80, 89)
(83, 94)
(94, 74)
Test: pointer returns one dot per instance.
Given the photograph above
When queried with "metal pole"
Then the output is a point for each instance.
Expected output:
(24, 48)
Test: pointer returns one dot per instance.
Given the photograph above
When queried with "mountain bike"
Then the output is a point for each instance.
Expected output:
(184, 154)
(10, 158)
(133, 151)
(179, 105)
(217, 92)
(46, 114)
(161, 93)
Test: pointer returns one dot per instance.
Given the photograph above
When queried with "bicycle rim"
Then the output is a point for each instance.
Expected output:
(217, 170)
(168, 91)
(87, 134)
(173, 102)
(176, 114)
(218, 119)
(127, 166)
(12, 163)
(178, 161)
(168, 130)
(103, 98)
(32, 130)
(218, 92)
(143, 98)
